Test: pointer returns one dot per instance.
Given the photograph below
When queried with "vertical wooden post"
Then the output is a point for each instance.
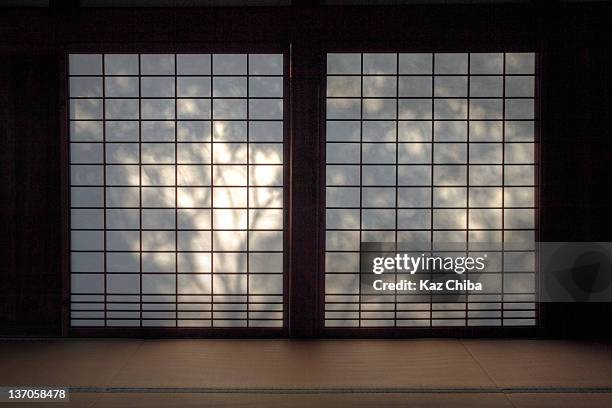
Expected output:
(305, 188)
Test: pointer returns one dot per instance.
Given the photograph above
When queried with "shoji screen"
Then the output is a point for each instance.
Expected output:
(176, 190)
(431, 148)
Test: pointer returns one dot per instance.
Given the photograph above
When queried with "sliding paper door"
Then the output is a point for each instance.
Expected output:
(176, 190)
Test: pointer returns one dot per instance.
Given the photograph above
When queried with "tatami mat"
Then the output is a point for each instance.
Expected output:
(324, 373)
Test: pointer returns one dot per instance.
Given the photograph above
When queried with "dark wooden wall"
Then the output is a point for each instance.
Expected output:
(577, 151)
(30, 285)
(574, 42)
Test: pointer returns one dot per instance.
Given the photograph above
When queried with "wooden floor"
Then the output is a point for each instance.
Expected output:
(330, 373)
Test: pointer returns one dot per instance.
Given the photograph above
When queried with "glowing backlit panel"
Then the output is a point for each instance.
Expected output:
(176, 190)
(431, 148)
